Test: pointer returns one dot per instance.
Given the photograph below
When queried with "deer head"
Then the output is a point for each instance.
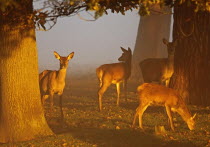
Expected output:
(63, 60)
(191, 122)
(170, 46)
(126, 55)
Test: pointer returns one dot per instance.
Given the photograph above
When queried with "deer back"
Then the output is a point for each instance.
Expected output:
(159, 69)
(116, 72)
(158, 95)
(153, 69)
(154, 94)
(111, 72)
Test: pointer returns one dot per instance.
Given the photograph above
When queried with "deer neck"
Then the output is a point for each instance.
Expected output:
(128, 68)
(171, 61)
(185, 114)
(61, 74)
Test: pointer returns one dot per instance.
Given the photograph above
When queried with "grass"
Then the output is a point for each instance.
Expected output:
(84, 125)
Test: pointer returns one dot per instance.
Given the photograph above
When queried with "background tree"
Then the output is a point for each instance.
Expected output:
(21, 113)
(191, 20)
(152, 29)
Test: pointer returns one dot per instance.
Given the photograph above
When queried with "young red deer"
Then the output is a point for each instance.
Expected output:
(53, 82)
(159, 69)
(114, 73)
(154, 94)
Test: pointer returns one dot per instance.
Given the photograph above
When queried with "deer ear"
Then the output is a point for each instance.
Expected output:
(129, 49)
(124, 50)
(165, 41)
(71, 55)
(57, 56)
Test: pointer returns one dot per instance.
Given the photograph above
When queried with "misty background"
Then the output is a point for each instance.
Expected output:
(94, 42)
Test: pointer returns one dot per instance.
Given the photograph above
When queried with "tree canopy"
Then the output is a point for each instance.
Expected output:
(47, 15)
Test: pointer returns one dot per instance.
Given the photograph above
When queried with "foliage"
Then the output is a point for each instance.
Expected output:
(7, 4)
(145, 6)
(203, 5)
(101, 6)
(200, 5)
(52, 9)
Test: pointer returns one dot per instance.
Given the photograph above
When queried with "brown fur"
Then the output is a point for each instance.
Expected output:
(53, 82)
(154, 94)
(114, 73)
(159, 69)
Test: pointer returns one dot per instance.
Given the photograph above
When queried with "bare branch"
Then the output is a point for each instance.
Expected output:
(85, 18)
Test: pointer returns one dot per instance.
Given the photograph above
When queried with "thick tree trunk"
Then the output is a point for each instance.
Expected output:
(21, 113)
(152, 29)
(192, 58)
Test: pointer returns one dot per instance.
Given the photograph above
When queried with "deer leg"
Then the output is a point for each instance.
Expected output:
(43, 98)
(125, 89)
(100, 82)
(118, 93)
(168, 111)
(101, 91)
(167, 82)
(135, 116)
(163, 82)
(61, 106)
(51, 103)
(139, 111)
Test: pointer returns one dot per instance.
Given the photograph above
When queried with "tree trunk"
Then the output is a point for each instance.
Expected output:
(192, 58)
(152, 29)
(21, 113)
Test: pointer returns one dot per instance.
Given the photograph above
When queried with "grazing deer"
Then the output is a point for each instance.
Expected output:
(159, 69)
(154, 94)
(114, 73)
(53, 82)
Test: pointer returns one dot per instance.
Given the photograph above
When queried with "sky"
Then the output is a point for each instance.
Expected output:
(94, 42)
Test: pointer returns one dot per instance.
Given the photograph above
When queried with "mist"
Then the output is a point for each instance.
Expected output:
(94, 42)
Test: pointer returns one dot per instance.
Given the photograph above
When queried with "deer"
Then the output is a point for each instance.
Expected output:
(159, 69)
(53, 81)
(115, 73)
(160, 95)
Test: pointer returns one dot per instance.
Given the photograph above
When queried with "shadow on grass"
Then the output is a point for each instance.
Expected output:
(108, 137)
(126, 138)
(150, 109)
(129, 106)
(117, 138)
(201, 111)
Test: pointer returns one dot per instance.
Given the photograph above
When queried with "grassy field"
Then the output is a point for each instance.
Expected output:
(84, 125)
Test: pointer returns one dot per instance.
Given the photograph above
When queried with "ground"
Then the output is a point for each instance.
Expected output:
(85, 126)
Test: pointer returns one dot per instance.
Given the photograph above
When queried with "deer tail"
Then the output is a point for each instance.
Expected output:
(99, 73)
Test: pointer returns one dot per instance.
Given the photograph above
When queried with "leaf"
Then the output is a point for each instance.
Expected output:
(117, 128)
(64, 144)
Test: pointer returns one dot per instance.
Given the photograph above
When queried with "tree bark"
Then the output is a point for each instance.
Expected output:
(21, 113)
(152, 29)
(192, 58)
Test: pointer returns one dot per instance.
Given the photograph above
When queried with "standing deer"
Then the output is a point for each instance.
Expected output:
(53, 82)
(114, 73)
(154, 94)
(159, 69)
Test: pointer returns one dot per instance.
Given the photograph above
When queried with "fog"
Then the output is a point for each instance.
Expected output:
(94, 42)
